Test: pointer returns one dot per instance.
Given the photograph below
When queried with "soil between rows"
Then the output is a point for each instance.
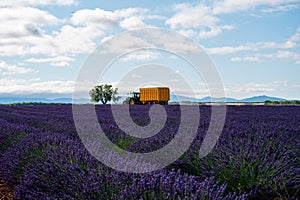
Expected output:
(6, 193)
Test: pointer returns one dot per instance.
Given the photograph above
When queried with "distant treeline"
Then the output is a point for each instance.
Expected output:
(28, 104)
(281, 102)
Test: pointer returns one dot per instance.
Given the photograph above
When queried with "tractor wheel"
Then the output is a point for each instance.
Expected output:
(131, 101)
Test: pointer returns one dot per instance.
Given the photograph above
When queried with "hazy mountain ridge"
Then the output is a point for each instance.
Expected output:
(254, 99)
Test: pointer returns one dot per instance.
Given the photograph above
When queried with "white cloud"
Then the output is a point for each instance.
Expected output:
(117, 45)
(292, 41)
(170, 41)
(288, 44)
(191, 16)
(61, 61)
(229, 49)
(36, 2)
(187, 32)
(214, 31)
(230, 6)
(198, 17)
(247, 58)
(24, 21)
(159, 17)
(285, 55)
(23, 30)
(107, 20)
(75, 39)
(128, 12)
(98, 17)
(281, 8)
(205, 17)
(144, 55)
(132, 23)
(22, 86)
(6, 69)
(105, 39)
(20, 29)
(67, 40)
(274, 45)
(278, 55)
(150, 38)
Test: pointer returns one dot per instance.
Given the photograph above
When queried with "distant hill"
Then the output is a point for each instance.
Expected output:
(179, 98)
(173, 98)
(255, 99)
(262, 99)
(10, 100)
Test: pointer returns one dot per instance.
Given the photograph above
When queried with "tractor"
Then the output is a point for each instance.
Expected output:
(158, 95)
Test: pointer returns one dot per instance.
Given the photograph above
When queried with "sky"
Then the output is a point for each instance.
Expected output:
(254, 44)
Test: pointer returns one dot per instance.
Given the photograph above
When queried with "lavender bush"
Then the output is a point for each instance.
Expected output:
(256, 157)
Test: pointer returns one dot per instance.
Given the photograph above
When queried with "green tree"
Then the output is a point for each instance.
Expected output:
(104, 93)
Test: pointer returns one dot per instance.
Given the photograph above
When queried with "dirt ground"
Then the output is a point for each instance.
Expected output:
(6, 193)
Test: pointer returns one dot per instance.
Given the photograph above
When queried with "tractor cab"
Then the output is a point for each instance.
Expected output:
(135, 98)
(136, 95)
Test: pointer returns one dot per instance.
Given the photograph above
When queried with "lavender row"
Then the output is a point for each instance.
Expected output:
(257, 156)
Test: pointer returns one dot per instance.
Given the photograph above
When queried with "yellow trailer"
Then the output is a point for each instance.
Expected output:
(157, 95)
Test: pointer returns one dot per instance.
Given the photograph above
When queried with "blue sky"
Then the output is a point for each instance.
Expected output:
(254, 44)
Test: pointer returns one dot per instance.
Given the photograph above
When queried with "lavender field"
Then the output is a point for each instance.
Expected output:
(256, 157)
